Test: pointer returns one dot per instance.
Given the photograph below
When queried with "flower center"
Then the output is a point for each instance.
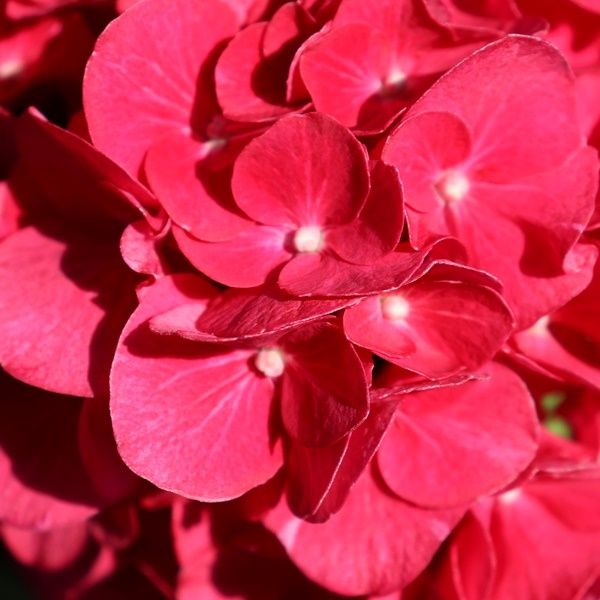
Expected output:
(270, 362)
(394, 308)
(511, 496)
(10, 68)
(395, 79)
(309, 238)
(452, 186)
(540, 327)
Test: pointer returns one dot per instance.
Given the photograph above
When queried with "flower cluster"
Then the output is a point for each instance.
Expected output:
(300, 299)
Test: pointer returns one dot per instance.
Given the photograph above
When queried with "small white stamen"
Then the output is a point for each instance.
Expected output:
(511, 496)
(309, 238)
(540, 327)
(10, 68)
(452, 186)
(394, 308)
(270, 362)
(215, 144)
(395, 78)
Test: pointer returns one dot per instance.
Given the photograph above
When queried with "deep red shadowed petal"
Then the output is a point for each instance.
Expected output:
(60, 174)
(320, 479)
(310, 474)
(196, 196)
(10, 212)
(235, 79)
(324, 391)
(549, 293)
(377, 229)
(322, 10)
(44, 480)
(203, 429)
(469, 566)
(339, 554)
(63, 303)
(295, 88)
(324, 274)
(567, 341)
(288, 26)
(99, 455)
(52, 550)
(240, 314)
(324, 181)
(447, 447)
(434, 328)
(41, 53)
(244, 261)
(252, 71)
(153, 82)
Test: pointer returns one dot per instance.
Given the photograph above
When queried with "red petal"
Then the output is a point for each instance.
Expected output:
(325, 275)
(462, 441)
(243, 261)
(324, 181)
(63, 304)
(139, 249)
(239, 314)
(376, 231)
(324, 392)
(310, 473)
(362, 444)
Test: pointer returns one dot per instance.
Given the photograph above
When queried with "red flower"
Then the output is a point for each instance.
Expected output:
(229, 394)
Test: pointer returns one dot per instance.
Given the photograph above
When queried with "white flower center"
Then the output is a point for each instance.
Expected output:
(10, 68)
(540, 327)
(309, 238)
(395, 78)
(511, 496)
(394, 308)
(453, 186)
(270, 362)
